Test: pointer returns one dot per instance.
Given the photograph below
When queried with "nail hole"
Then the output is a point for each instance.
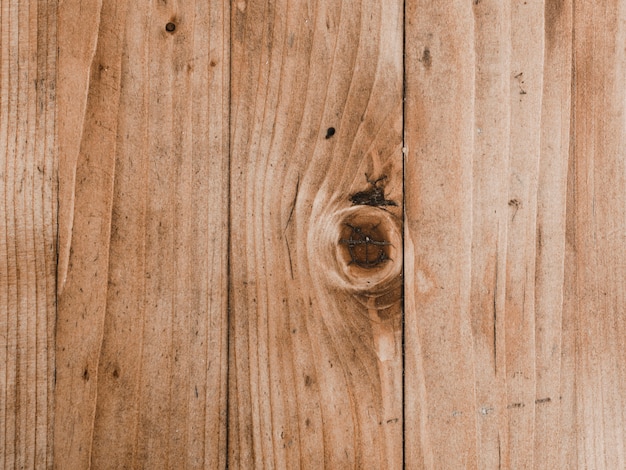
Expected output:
(170, 27)
(330, 132)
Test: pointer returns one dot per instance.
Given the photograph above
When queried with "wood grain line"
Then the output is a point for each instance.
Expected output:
(28, 165)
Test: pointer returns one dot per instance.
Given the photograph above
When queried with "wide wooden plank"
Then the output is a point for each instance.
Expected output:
(142, 325)
(487, 132)
(28, 172)
(316, 245)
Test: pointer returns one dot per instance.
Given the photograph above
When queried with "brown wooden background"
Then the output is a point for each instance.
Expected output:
(176, 284)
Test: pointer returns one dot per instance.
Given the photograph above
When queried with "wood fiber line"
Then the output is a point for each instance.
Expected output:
(316, 177)
(142, 306)
(28, 173)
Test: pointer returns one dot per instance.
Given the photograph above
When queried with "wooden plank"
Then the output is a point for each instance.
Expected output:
(550, 430)
(519, 345)
(315, 364)
(440, 410)
(28, 169)
(142, 310)
(596, 222)
(492, 110)
(487, 131)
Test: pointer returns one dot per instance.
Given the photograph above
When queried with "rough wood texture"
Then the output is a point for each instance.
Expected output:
(595, 304)
(28, 169)
(514, 237)
(229, 280)
(440, 409)
(141, 333)
(316, 371)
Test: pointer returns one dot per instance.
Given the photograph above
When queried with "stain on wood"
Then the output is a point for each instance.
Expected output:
(374, 195)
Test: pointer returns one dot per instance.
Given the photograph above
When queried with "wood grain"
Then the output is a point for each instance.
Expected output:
(242, 263)
(316, 111)
(439, 403)
(514, 123)
(596, 217)
(141, 333)
(28, 192)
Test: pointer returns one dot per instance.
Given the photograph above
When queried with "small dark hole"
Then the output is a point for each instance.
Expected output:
(170, 27)
(330, 132)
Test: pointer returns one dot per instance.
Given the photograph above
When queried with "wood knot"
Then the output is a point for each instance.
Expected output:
(368, 250)
(366, 245)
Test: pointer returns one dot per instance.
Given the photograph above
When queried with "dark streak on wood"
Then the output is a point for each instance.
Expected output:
(374, 196)
(495, 314)
(543, 400)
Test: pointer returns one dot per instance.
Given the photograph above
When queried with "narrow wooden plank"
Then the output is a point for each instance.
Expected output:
(28, 168)
(83, 288)
(550, 431)
(594, 294)
(315, 364)
(440, 412)
(526, 85)
(143, 384)
(492, 23)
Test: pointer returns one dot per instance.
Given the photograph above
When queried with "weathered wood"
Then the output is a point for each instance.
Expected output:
(28, 172)
(142, 325)
(526, 250)
(595, 305)
(550, 332)
(282, 200)
(316, 368)
(440, 411)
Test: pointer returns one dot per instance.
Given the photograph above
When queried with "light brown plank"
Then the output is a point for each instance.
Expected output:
(550, 432)
(519, 345)
(487, 131)
(315, 364)
(490, 166)
(28, 169)
(142, 309)
(596, 259)
(440, 409)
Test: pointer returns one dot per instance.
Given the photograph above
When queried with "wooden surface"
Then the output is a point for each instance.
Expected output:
(315, 363)
(319, 234)
(141, 328)
(28, 193)
(514, 235)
